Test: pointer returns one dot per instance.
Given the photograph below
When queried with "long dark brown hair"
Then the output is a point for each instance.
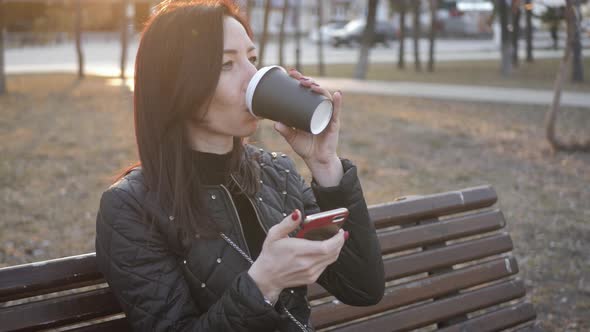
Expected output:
(177, 68)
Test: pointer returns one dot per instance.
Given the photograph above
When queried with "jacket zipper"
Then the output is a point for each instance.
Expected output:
(238, 217)
(249, 256)
(252, 203)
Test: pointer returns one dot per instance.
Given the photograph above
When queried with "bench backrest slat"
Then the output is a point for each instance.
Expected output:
(114, 325)
(59, 310)
(458, 253)
(331, 313)
(432, 312)
(497, 320)
(426, 261)
(451, 229)
(432, 206)
(49, 276)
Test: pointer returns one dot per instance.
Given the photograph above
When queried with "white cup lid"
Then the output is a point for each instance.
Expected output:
(321, 117)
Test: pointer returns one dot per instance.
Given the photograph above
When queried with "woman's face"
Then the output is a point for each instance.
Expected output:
(228, 114)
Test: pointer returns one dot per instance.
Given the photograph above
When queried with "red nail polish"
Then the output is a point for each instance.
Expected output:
(346, 235)
(295, 215)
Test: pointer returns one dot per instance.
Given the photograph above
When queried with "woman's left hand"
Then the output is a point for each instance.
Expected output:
(319, 149)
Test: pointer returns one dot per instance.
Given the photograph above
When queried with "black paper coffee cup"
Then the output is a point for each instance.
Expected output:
(273, 94)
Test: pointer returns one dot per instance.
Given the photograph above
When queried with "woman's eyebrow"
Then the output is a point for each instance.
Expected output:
(232, 51)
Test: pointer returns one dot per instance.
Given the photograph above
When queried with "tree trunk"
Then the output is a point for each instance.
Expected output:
(515, 31)
(298, 36)
(551, 116)
(78, 34)
(282, 33)
(505, 36)
(366, 42)
(577, 64)
(529, 30)
(432, 35)
(416, 35)
(264, 37)
(124, 29)
(321, 67)
(402, 33)
(2, 70)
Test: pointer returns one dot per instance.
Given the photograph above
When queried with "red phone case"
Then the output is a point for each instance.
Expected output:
(323, 225)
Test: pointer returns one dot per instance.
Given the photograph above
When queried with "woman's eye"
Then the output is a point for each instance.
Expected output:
(253, 59)
(227, 65)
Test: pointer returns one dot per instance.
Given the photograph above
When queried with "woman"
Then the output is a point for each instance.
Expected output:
(198, 236)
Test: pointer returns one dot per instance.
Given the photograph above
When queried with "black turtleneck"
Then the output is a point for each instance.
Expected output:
(213, 169)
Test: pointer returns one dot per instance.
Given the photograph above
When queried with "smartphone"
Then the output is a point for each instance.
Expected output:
(322, 226)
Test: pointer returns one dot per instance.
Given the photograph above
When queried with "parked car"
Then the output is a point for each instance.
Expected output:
(327, 30)
(351, 34)
(465, 18)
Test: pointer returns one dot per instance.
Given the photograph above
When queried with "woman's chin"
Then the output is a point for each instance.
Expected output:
(250, 128)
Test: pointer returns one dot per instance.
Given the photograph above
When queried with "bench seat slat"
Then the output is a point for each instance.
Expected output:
(21, 281)
(59, 311)
(429, 313)
(432, 206)
(497, 320)
(330, 313)
(425, 261)
(455, 228)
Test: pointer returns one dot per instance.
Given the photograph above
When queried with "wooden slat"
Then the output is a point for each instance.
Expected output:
(403, 266)
(432, 206)
(497, 320)
(425, 261)
(27, 280)
(455, 228)
(433, 312)
(533, 326)
(331, 313)
(115, 325)
(59, 311)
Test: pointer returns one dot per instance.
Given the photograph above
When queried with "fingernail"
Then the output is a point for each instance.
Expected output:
(346, 235)
(340, 92)
(315, 84)
(295, 215)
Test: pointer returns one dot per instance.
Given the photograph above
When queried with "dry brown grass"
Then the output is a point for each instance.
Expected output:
(62, 141)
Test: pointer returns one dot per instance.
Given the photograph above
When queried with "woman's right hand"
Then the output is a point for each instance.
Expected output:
(288, 262)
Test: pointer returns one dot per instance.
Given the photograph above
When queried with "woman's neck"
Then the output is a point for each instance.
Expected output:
(211, 143)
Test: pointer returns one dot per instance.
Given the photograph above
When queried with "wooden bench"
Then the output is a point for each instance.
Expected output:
(447, 266)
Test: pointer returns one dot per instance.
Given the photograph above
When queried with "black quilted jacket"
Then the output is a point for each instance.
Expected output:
(163, 285)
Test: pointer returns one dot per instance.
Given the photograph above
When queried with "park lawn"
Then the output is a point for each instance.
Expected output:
(537, 75)
(62, 141)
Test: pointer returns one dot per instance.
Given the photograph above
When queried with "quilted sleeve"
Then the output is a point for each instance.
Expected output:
(148, 281)
(357, 277)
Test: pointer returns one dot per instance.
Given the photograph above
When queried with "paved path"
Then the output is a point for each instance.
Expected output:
(456, 92)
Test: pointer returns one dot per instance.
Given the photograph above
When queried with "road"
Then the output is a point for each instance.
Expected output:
(102, 54)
